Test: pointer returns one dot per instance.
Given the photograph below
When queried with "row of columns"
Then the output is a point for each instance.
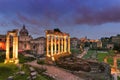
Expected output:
(57, 44)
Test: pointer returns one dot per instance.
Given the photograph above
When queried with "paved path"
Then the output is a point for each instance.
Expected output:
(57, 73)
(83, 53)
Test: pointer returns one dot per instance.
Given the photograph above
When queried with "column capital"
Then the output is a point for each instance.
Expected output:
(47, 35)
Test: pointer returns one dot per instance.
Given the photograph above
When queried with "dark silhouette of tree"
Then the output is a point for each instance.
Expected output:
(87, 44)
(57, 30)
(117, 47)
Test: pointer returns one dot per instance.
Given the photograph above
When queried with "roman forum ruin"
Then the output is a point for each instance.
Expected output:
(14, 58)
(57, 44)
(114, 67)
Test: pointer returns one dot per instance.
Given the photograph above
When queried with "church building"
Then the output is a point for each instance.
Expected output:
(26, 42)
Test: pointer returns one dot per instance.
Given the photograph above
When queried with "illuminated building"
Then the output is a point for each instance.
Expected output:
(2, 42)
(24, 39)
(57, 44)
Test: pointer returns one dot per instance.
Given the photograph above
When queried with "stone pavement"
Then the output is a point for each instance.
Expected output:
(55, 72)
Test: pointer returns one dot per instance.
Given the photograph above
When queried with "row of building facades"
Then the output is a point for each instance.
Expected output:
(37, 45)
(26, 42)
(103, 43)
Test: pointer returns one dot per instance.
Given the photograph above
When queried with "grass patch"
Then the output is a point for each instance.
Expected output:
(101, 56)
(10, 69)
(21, 77)
(2, 56)
(118, 78)
(89, 54)
(39, 77)
(7, 70)
(111, 52)
(75, 51)
(24, 59)
(110, 61)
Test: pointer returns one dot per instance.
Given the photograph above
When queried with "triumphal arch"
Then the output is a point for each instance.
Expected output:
(57, 44)
(14, 58)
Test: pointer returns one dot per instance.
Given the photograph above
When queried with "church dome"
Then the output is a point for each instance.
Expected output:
(24, 31)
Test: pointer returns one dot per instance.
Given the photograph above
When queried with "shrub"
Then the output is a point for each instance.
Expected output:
(2, 57)
(41, 70)
(24, 59)
(40, 61)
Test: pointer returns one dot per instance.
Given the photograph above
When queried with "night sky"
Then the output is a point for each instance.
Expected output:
(80, 18)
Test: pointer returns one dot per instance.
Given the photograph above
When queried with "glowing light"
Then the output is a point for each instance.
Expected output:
(2, 45)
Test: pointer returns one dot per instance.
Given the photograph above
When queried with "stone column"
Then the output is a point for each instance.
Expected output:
(65, 44)
(68, 44)
(59, 45)
(52, 47)
(16, 52)
(55, 45)
(14, 47)
(14, 58)
(7, 47)
(47, 44)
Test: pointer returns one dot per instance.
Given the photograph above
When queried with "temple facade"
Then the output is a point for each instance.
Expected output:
(57, 44)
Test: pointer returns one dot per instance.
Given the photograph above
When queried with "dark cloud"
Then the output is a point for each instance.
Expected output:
(100, 17)
(43, 21)
(61, 12)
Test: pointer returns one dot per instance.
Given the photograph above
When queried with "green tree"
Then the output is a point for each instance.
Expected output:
(117, 47)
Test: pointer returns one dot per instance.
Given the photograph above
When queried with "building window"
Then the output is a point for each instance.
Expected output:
(34, 47)
(25, 46)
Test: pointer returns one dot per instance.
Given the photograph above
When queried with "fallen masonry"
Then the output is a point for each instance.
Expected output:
(85, 68)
